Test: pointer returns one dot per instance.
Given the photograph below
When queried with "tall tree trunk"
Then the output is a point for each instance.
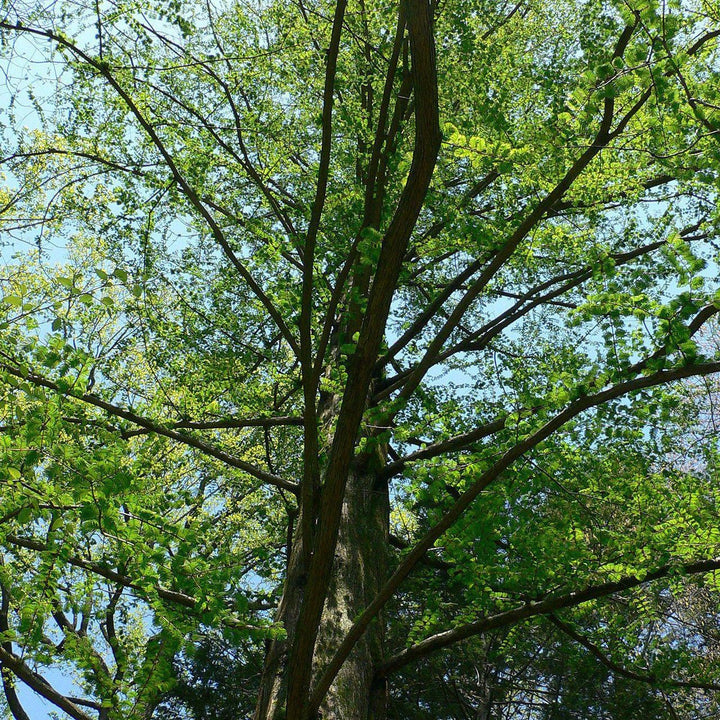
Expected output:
(360, 567)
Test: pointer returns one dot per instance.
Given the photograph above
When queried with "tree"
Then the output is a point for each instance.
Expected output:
(356, 332)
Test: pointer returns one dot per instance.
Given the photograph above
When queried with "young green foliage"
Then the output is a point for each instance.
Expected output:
(353, 338)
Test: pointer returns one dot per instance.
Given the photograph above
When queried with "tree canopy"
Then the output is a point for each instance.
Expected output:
(357, 358)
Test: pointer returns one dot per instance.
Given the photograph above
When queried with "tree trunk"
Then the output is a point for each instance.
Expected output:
(360, 567)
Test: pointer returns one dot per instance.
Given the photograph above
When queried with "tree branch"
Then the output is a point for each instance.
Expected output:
(102, 570)
(465, 500)
(535, 608)
(461, 441)
(40, 685)
(528, 301)
(228, 424)
(457, 442)
(11, 696)
(394, 245)
(617, 668)
(155, 427)
(104, 70)
(311, 463)
(604, 135)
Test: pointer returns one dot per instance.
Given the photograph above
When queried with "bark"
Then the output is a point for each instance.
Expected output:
(338, 563)
(360, 567)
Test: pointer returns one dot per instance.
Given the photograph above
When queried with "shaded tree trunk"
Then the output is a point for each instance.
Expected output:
(359, 569)
(347, 554)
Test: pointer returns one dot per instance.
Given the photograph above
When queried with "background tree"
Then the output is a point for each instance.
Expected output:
(356, 332)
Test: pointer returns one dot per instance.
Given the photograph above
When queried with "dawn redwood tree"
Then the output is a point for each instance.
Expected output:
(359, 333)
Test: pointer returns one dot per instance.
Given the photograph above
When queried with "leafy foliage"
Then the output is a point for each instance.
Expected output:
(334, 336)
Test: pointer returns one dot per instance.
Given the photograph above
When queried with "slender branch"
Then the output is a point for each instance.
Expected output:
(41, 686)
(649, 184)
(228, 424)
(121, 579)
(373, 193)
(11, 696)
(528, 301)
(703, 315)
(616, 667)
(241, 422)
(466, 499)
(457, 442)
(98, 665)
(104, 70)
(535, 608)
(92, 157)
(428, 560)
(106, 572)
(698, 44)
(155, 427)
(311, 463)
